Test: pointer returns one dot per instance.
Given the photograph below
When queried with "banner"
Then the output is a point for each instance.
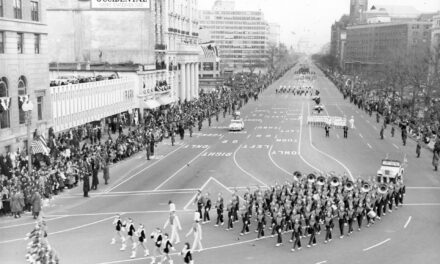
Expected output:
(5, 103)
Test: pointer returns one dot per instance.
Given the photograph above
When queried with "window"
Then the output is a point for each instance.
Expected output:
(40, 107)
(37, 43)
(34, 11)
(21, 91)
(20, 43)
(4, 115)
(17, 9)
(2, 42)
(1, 8)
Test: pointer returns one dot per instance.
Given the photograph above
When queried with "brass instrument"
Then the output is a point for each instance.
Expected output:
(297, 175)
(349, 186)
(311, 178)
(335, 181)
(382, 189)
(320, 180)
(366, 187)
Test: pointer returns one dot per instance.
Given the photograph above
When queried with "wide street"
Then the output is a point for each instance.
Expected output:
(276, 141)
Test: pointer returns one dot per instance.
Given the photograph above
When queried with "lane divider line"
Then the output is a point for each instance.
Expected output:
(378, 244)
(368, 144)
(243, 170)
(144, 169)
(179, 170)
(274, 163)
(407, 222)
(300, 139)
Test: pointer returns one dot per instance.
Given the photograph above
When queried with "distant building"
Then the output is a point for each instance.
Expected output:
(386, 14)
(242, 36)
(370, 46)
(357, 8)
(24, 71)
(338, 39)
(274, 34)
(210, 72)
(435, 44)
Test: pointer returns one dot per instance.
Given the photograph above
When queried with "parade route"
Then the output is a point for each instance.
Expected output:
(275, 142)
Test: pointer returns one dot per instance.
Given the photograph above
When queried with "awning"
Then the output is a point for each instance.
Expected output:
(151, 104)
(166, 100)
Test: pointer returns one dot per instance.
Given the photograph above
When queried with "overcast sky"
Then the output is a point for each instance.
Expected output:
(311, 19)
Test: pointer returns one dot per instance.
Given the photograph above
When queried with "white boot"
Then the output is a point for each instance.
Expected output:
(134, 245)
(113, 241)
(147, 253)
(133, 254)
(123, 247)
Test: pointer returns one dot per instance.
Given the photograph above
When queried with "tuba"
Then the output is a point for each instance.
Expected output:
(320, 180)
(349, 186)
(382, 189)
(297, 175)
(311, 178)
(335, 181)
(366, 187)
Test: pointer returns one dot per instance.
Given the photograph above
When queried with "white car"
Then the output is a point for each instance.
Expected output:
(236, 125)
(390, 171)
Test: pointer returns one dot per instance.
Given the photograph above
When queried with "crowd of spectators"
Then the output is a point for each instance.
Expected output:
(65, 80)
(86, 150)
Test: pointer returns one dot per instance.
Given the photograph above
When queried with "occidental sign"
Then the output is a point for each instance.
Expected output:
(120, 4)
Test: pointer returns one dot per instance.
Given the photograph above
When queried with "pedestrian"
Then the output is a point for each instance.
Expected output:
(392, 131)
(435, 160)
(17, 203)
(345, 131)
(196, 230)
(174, 223)
(418, 149)
(106, 172)
(327, 130)
(86, 184)
(207, 208)
(352, 122)
(119, 226)
(173, 137)
(187, 254)
(141, 242)
(36, 204)
(95, 169)
(381, 132)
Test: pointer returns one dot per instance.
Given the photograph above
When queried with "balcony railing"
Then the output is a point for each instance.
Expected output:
(160, 47)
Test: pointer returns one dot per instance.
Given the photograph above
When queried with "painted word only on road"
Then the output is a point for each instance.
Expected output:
(284, 152)
(217, 154)
(255, 146)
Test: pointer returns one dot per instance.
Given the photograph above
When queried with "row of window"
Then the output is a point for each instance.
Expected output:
(216, 22)
(22, 90)
(239, 32)
(17, 7)
(237, 37)
(20, 42)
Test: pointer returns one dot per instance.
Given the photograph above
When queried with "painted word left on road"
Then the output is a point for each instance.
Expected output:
(284, 152)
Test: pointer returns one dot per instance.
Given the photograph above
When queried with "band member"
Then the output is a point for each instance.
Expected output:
(230, 209)
(312, 230)
(130, 232)
(328, 222)
(279, 222)
(360, 214)
(117, 222)
(246, 221)
(196, 230)
(187, 254)
(174, 223)
(142, 239)
(167, 249)
(219, 205)
(207, 204)
(350, 216)
(156, 236)
(341, 220)
(261, 223)
(296, 235)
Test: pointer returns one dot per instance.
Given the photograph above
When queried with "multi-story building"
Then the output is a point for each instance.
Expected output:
(24, 71)
(435, 46)
(210, 71)
(274, 34)
(373, 44)
(357, 8)
(153, 51)
(338, 39)
(242, 36)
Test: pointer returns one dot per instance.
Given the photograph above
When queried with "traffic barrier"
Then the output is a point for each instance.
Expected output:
(321, 121)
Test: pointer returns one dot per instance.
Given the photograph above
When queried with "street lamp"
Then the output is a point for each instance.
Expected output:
(27, 107)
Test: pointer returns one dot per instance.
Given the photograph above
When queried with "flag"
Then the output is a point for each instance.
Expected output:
(39, 145)
(209, 50)
(5, 103)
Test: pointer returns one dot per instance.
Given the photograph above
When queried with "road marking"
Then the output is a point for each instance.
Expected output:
(271, 159)
(322, 262)
(243, 170)
(179, 170)
(331, 157)
(361, 135)
(407, 222)
(368, 144)
(378, 244)
(146, 168)
(33, 222)
(395, 146)
(128, 194)
(125, 213)
(337, 136)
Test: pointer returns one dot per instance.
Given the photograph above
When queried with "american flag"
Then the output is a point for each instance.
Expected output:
(39, 146)
(210, 50)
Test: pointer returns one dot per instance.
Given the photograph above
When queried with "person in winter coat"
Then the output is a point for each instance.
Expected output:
(435, 159)
(17, 203)
(36, 204)
(106, 172)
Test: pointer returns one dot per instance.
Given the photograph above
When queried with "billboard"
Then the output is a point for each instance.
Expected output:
(120, 4)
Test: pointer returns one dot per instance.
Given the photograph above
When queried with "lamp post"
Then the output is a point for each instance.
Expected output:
(27, 107)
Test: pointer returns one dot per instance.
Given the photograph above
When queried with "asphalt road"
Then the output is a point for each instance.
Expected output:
(276, 141)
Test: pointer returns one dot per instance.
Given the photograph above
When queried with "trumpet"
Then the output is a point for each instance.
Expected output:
(335, 181)
(382, 189)
(311, 178)
(320, 180)
(366, 187)
(349, 186)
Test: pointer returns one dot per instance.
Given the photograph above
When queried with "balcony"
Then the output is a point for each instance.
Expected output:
(160, 47)
(161, 65)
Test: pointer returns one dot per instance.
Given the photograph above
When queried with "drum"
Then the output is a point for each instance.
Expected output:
(372, 214)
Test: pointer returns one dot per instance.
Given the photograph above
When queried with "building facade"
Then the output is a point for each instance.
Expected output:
(274, 34)
(242, 36)
(357, 8)
(24, 71)
(373, 44)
